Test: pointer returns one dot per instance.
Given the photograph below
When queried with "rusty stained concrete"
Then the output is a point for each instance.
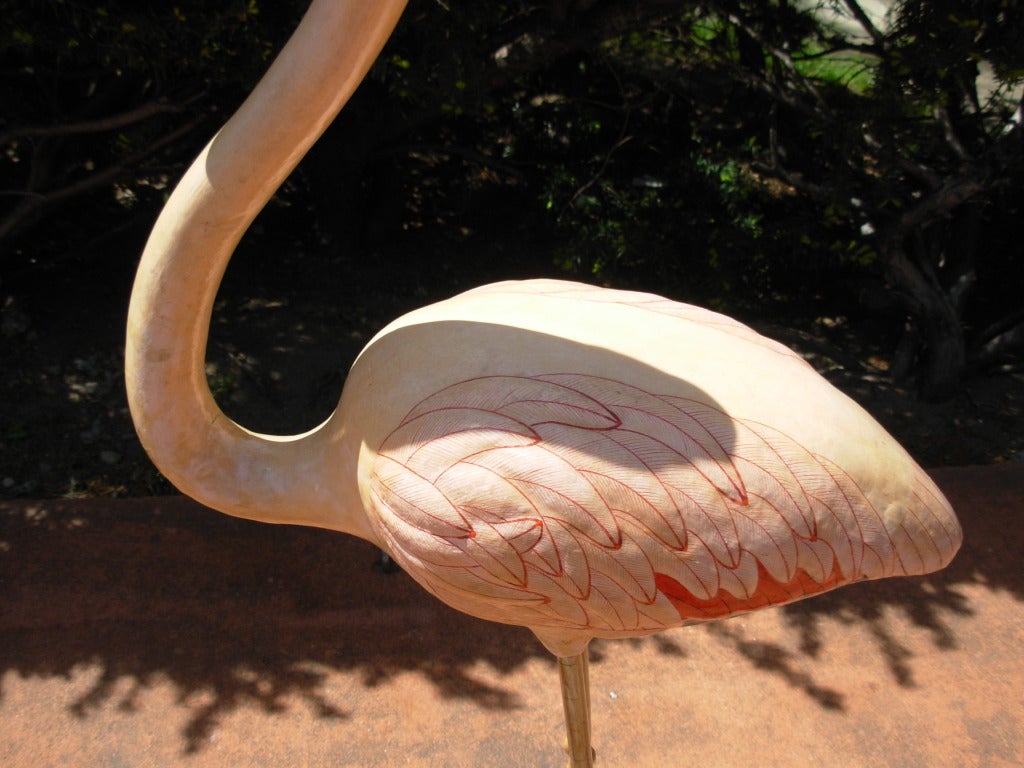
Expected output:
(153, 632)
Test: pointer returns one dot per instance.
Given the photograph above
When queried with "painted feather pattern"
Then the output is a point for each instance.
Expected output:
(575, 501)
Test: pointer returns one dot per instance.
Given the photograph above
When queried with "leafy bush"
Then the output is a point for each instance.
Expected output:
(724, 151)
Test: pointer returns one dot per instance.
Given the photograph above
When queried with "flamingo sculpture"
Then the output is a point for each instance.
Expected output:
(583, 462)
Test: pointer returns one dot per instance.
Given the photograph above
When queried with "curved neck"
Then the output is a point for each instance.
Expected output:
(190, 440)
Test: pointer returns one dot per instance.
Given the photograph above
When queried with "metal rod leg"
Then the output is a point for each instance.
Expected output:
(574, 674)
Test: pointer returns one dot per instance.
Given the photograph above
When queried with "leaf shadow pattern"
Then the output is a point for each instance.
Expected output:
(773, 658)
(665, 644)
(924, 602)
(218, 680)
(236, 614)
(987, 500)
(983, 497)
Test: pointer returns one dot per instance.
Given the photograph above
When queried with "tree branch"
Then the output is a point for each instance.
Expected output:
(533, 48)
(951, 195)
(99, 125)
(1000, 340)
(918, 170)
(865, 21)
(33, 205)
(1000, 328)
(795, 180)
(942, 117)
(784, 58)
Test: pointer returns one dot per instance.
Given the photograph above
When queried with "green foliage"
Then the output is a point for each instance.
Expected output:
(95, 93)
(722, 152)
(161, 40)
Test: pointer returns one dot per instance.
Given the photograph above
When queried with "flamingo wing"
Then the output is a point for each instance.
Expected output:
(570, 501)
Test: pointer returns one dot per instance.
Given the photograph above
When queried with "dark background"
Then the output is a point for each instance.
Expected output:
(852, 189)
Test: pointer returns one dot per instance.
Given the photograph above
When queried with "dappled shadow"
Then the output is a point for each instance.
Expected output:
(988, 502)
(237, 614)
(774, 659)
(924, 602)
(232, 613)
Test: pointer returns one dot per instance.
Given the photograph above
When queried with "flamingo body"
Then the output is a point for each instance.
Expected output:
(597, 463)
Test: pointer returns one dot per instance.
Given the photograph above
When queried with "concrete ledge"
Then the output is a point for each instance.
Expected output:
(152, 632)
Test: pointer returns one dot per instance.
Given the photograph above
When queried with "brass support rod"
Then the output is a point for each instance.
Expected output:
(574, 674)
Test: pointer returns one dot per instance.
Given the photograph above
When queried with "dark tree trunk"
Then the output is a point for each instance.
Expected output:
(933, 352)
(945, 353)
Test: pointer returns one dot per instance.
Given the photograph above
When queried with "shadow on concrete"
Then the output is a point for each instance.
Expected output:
(230, 612)
(235, 614)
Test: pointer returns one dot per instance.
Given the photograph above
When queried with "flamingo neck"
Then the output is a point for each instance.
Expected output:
(188, 437)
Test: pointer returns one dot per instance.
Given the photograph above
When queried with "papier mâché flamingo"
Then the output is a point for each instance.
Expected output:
(581, 461)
